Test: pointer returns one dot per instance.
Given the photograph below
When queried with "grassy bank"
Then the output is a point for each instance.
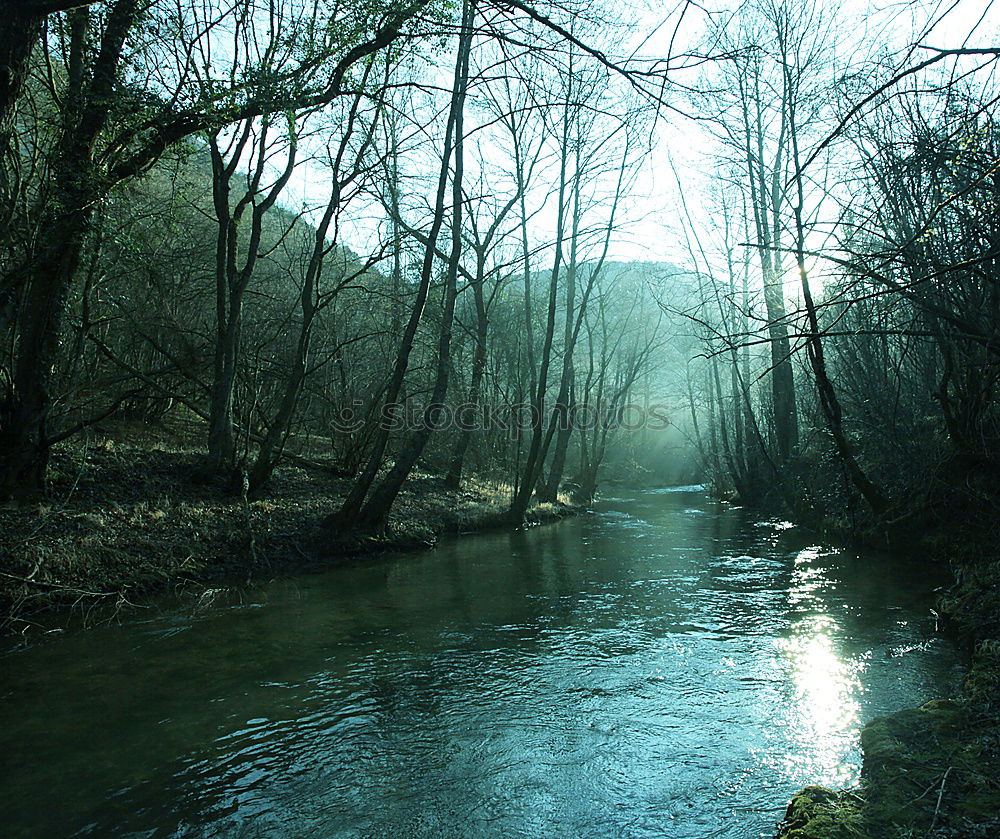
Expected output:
(130, 513)
(932, 771)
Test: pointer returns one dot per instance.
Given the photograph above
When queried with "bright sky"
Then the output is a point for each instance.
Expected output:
(651, 216)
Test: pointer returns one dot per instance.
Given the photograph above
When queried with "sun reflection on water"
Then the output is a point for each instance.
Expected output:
(824, 716)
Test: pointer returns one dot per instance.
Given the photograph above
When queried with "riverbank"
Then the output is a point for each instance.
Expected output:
(932, 771)
(131, 514)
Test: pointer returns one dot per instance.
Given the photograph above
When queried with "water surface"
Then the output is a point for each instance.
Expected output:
(665, 667)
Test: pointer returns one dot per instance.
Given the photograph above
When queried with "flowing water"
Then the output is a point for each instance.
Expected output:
(664, 667)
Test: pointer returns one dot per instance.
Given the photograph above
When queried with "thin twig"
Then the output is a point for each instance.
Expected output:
(937, 807)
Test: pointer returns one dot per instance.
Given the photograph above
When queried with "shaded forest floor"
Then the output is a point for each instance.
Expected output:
(933, 771)
(130, 513)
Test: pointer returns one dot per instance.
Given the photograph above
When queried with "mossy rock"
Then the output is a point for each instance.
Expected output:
(820, 813)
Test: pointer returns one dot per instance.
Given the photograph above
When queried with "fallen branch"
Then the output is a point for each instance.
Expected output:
(937, 807)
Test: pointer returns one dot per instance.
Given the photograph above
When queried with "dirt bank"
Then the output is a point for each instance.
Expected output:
(129, 515)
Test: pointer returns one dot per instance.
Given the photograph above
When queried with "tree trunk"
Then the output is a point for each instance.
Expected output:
(24, 447)
(466, 419)
(374, 515)
(18, 36)
(535, 456)
(221, 433)
(24, 444)
(563, 431)
(232, 278)
(273, 443)
(562, 420)
(766, 202)
(829, 403)
(786, 426)
(354, 512)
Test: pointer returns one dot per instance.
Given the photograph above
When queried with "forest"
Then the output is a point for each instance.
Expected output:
(303, 226)
(286, 280)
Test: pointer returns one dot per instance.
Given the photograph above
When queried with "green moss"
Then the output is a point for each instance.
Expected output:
(821, 813)
(929, 767)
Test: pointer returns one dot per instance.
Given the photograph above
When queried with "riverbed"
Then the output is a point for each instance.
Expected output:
(664, 666)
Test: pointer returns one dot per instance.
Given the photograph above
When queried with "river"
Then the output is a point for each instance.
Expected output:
(666, 666)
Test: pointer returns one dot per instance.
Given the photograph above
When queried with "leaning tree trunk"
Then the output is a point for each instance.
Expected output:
(273, 443)
(374, 515)
(828, 400)
(354, 512)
